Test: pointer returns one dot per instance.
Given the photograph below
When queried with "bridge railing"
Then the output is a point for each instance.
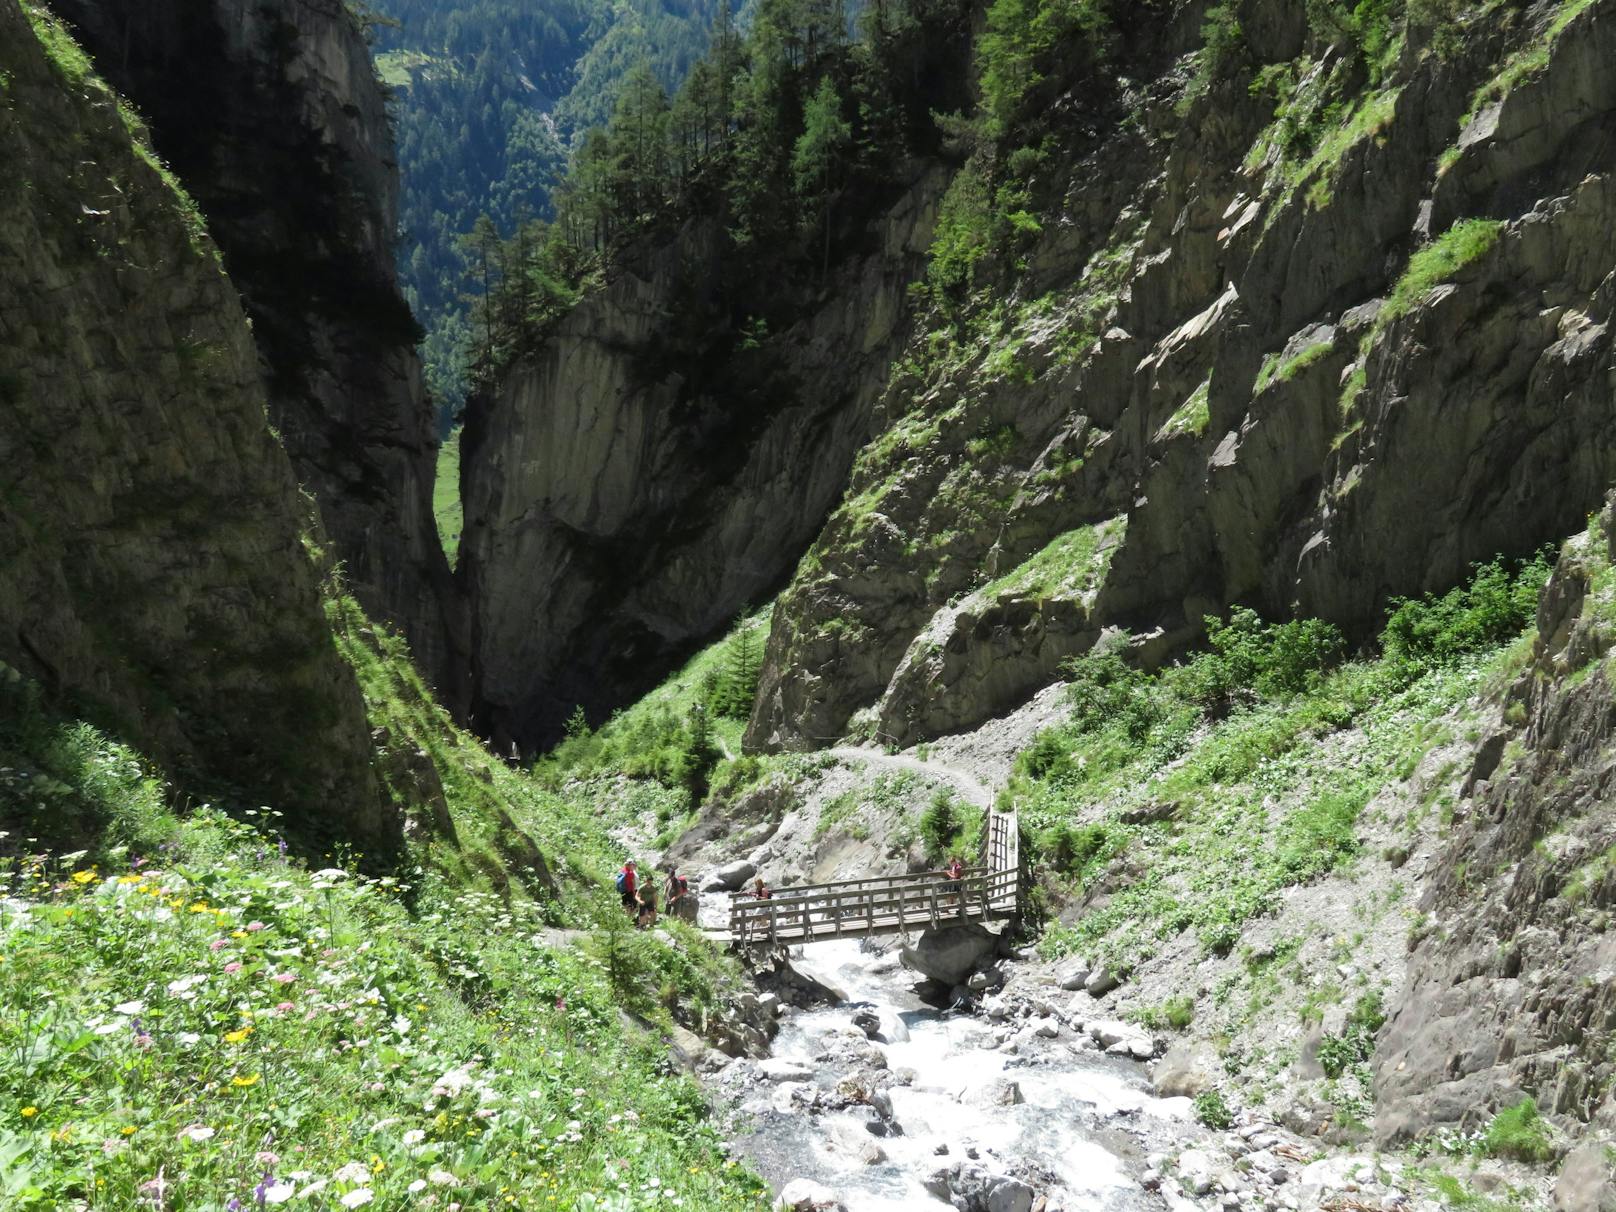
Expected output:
(859, 907)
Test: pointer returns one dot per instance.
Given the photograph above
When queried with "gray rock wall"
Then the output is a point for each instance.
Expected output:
(1512, 978)
(624, 499)
(1339, 456)
(271, 115)
(153, 573)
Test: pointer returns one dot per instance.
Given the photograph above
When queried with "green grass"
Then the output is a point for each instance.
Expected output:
(646, 740)
(1191, 417)
(1277, 370)
(1466, 242)
(1072, 565)
(191, 1010)
(1233, 743)
(447, 506)
(1519, 1133)
(1526, 62)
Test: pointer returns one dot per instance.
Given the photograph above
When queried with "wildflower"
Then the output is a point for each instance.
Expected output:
(414, 1137)
(83, 877)
(130, 1008)
(353, 1172)
(128, 1130)
(416, 1187)
(195, 1132)
(441, 1178)
(218, 944)
(30, 1112)
(253, 927)
(235, 1037)
(243, 1082)
(199, 907)
(279, 1193)
(358, 1197)
(267, 1159)
(283, 1007)
(284, 978)
(232, 967)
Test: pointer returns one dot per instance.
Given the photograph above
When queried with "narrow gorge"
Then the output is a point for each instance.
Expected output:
(1150, 467)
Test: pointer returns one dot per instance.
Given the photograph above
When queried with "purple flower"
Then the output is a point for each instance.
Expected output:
(234, 1205)
(281, 844)
(261, 1191)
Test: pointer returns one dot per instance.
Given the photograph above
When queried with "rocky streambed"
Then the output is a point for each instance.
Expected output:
(1019, 1102)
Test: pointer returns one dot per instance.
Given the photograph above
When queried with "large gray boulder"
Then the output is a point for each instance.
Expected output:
(730, 876)
(949, 954)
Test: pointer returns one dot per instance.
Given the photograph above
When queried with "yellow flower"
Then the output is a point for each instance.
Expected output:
(238, 934)
(235, 1037)
(238, 1080)
(128, 1130)
(200, 907)
(30, 1112)
(84, 877)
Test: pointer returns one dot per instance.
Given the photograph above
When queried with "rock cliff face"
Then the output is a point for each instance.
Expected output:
(153, 570)
(1512, 980)
(1301, 374)
(648, 475)
(271, 116)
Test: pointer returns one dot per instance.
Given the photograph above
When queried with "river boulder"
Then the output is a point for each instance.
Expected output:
(730, 876)
(949, 954)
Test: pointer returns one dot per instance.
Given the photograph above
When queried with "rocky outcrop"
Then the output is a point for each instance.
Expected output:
(1318, 380)
(648, 473)
(152, 535)
(271, 116)
(1512, 982)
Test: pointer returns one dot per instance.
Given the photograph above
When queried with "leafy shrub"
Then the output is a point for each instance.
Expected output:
(1021, 40)
(1496, 605)
(1356, 1043)
(1248, 656)
(1213, 1111)
(948, 827)
(1176, 1012)
(1070, 848)
(1519, 1133)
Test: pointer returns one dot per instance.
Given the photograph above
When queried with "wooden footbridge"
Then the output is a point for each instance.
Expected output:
(894, 904)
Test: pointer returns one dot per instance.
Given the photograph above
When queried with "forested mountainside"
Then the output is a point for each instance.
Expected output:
(272, 118)
(488, 97)
(1195, 288)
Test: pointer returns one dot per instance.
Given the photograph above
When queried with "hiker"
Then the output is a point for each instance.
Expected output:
(628, 889)
(646, 917)
(760, 891)
(954, 873)
(676, 896)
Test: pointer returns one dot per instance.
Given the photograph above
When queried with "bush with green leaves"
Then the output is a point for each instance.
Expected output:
(1212, 1111)
(1250, 658)
(1494, 605)
(947, 828)
(1356, 1042)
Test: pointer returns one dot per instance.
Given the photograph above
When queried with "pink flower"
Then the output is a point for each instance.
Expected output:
(218, 944)
(283, 1007)
(284, 978)
(255, 927)
(232, 967)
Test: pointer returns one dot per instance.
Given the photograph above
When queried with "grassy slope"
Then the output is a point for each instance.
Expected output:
(446, 504)
(188, 1007)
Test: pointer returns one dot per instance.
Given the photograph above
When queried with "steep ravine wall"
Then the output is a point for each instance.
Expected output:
(153, 569)
(272, 117)
(1279, 403)
(644, 478)
(1512, 977)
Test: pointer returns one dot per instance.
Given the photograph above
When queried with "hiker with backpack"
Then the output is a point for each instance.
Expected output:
(676, 898)
(628, 889)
